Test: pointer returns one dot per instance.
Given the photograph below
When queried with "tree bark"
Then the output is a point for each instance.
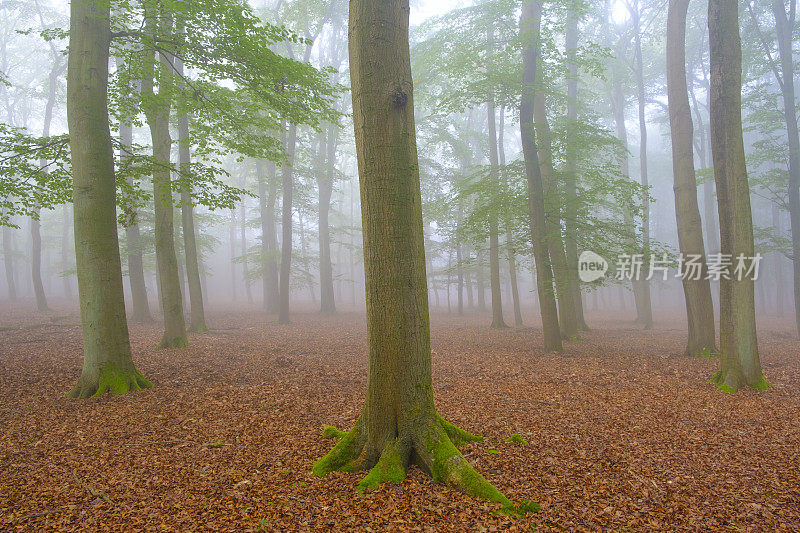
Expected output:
(697, 292)
(530, 23)
(167, 262)
(571, 180)
(784, 26)
(398, 424)
(197, 321)
(739, 361)
(8, 263)
(644, 306)
(107, 361)
(287, 216)
(494, 240)
(325, 186)
(564, 292)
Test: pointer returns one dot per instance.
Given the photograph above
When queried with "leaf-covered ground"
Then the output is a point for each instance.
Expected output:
(622, 432)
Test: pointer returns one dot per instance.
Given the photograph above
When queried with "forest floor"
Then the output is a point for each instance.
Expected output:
(623, 432)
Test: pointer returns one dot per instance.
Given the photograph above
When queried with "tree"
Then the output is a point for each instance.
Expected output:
(697, 290)
(107, 361)
(398, 423)
(739, 360)
(530, 24)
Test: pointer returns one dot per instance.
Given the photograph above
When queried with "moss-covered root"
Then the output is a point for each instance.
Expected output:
(167, 341)
(331, 432)
(731, 381)
(446, 465)
(110, 378)
(391, 466)
(458, 436)
(346, 456)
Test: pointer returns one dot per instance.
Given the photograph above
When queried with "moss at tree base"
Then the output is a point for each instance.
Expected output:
(432, 447)
(110, 378)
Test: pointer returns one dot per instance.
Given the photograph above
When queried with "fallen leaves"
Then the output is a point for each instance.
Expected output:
(619, 432)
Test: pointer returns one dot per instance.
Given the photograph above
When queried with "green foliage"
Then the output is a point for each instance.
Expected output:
(516, 438)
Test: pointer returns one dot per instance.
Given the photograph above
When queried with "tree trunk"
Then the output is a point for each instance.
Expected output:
(778, 261)
(107, 362)
(494, 241)
(232, 241)
(286, 243)
(571, 179)
(529, 28)
(325, 186)
(561, 272)
(644, 307)
(398, 424)
(512, 273)
(8, 263)
(141, 306)
(739, 362)
(784, 28)
(65, 250)
(197, 321)
(479, 281)
(696, 289)
(245, 260)
(166, 259)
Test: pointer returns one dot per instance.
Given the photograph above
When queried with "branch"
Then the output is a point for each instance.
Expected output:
(765, 44)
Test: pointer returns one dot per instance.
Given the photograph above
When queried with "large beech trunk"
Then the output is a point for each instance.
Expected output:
(739, 362)
(529, 28)
(565, 293)
(107, 362)
(398, 423)
(697, 292)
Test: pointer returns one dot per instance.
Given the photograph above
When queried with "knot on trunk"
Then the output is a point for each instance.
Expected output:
(399, 98)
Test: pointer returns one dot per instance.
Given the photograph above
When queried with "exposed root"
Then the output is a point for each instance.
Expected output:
(432, 446)
(345, 456)
(390, 467)
(110, 378)
(331, 432)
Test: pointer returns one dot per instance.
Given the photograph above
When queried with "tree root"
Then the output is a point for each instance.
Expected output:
(199, 328)
(110, 378)
(431, 445)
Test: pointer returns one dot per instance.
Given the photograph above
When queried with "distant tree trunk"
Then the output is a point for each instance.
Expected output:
(494, 241)
(739, 362)
(398, 424)
(268, 228)
(571, 179)
(36, 236)
(65, 250)
(232, 241)
(8, 263)
(644, 307)
(287, 215)
(245, 260)
(141, 306)
(785, 27)
(479, 275)
(778, 260)
(561, 271)
(107, 362)
(618, 105)
(530, 23)
(459, 266)
(197, 322)
(325, 186)
(158, 114)
(512, 261)
(512, 272)
(697, 292)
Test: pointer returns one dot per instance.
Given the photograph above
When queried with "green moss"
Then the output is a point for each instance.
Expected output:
(761, 384)
(516, 438)
(521, 509)
(458, 436)
(345, 456)
(450, 467)
(178, 342)
(706, 353)
(493, 451)
(390, 467)
(200, 328)
(331, 432)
